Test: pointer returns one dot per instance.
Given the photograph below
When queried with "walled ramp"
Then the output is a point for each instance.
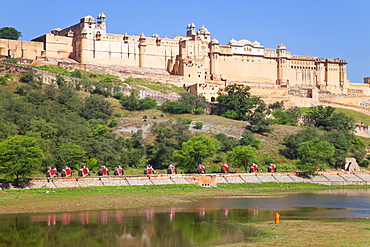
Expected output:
(327, 178)
(205, 180)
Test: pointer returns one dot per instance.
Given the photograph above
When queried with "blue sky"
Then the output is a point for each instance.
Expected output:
(322, 28)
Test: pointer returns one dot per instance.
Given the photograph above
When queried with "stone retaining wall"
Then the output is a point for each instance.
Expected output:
(206, 180)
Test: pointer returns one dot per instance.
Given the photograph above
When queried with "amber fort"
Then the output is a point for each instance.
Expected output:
(196, 61)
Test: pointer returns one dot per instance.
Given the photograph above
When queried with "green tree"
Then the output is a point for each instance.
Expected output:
(195, 151)
(45, 129)
(173, 107)
(70, 154)
(313, 154)
(20, 156)
(285, 117)
(192, 102)
(248, 139)
(227, 142)
(134, 149)
(169, 136)
(341, 140)
(242, 156)
(357, 149)
(10, 33)
(292, 142)
(96, 107)
(131, 102)
(277, 106)
(236, 102)
(326, 118)
(260, 123)
(147, 103)
(31, 79)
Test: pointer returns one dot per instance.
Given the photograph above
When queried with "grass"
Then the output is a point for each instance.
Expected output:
(312, 232)
(92, 76)
(357, 116)
(155, 86)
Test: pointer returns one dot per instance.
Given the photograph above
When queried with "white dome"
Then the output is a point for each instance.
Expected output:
(233, 42)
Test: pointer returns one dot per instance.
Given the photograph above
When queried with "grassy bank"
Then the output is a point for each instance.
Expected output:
(312, 232)
(118, 197)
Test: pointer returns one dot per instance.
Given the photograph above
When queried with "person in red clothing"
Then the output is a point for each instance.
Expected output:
(271, 168)
(66, 172)
(149, 170)
(224, 168)
(84, 171)
(103, 171)
(52, 172)
(118, 170)
(171, 169)
(253, 168)
(201, 169)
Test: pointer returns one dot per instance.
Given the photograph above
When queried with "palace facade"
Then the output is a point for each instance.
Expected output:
(196, 57)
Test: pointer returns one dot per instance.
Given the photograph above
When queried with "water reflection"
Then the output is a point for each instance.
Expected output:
(207, 222)
(173, 226)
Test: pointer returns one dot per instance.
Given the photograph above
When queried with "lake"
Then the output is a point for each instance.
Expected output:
(206, 222)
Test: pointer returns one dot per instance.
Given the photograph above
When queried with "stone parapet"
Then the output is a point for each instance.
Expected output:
(206, 180)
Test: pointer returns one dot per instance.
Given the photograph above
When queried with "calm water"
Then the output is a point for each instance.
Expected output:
(206, 222)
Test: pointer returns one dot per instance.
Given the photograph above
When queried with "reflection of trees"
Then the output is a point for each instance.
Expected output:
(185, 229)
(18, 232)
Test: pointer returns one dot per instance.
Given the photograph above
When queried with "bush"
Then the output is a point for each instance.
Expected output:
(113, 123)
(77, 74)
(147, 103)
(199, 125)
(173, 107)
(22, 90)
(364, 163)
(185, 120)
(11, 60)
(3, 81)
(118, 95)
(198, 111)
(117, 114)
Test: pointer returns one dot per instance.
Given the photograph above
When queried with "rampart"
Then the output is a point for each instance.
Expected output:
(125, 73)
(206, 180)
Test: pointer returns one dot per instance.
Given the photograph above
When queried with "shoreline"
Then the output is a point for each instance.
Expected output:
(47, 200)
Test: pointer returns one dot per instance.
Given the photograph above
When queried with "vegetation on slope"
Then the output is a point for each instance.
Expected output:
(76, 124)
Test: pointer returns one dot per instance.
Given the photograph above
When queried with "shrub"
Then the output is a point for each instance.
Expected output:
(199, 125)
(11, 60)
(3, 81)
(198, 111)
(117, 114)
(364, 163)
(22, 90)
(173, 107)
(77, 74)
(113, 123)
(118, 95)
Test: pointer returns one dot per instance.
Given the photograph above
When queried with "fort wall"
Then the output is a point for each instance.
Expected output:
(193, 56)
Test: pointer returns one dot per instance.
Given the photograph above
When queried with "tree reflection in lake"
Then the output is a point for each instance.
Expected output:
(207, 222)
(148, 227)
